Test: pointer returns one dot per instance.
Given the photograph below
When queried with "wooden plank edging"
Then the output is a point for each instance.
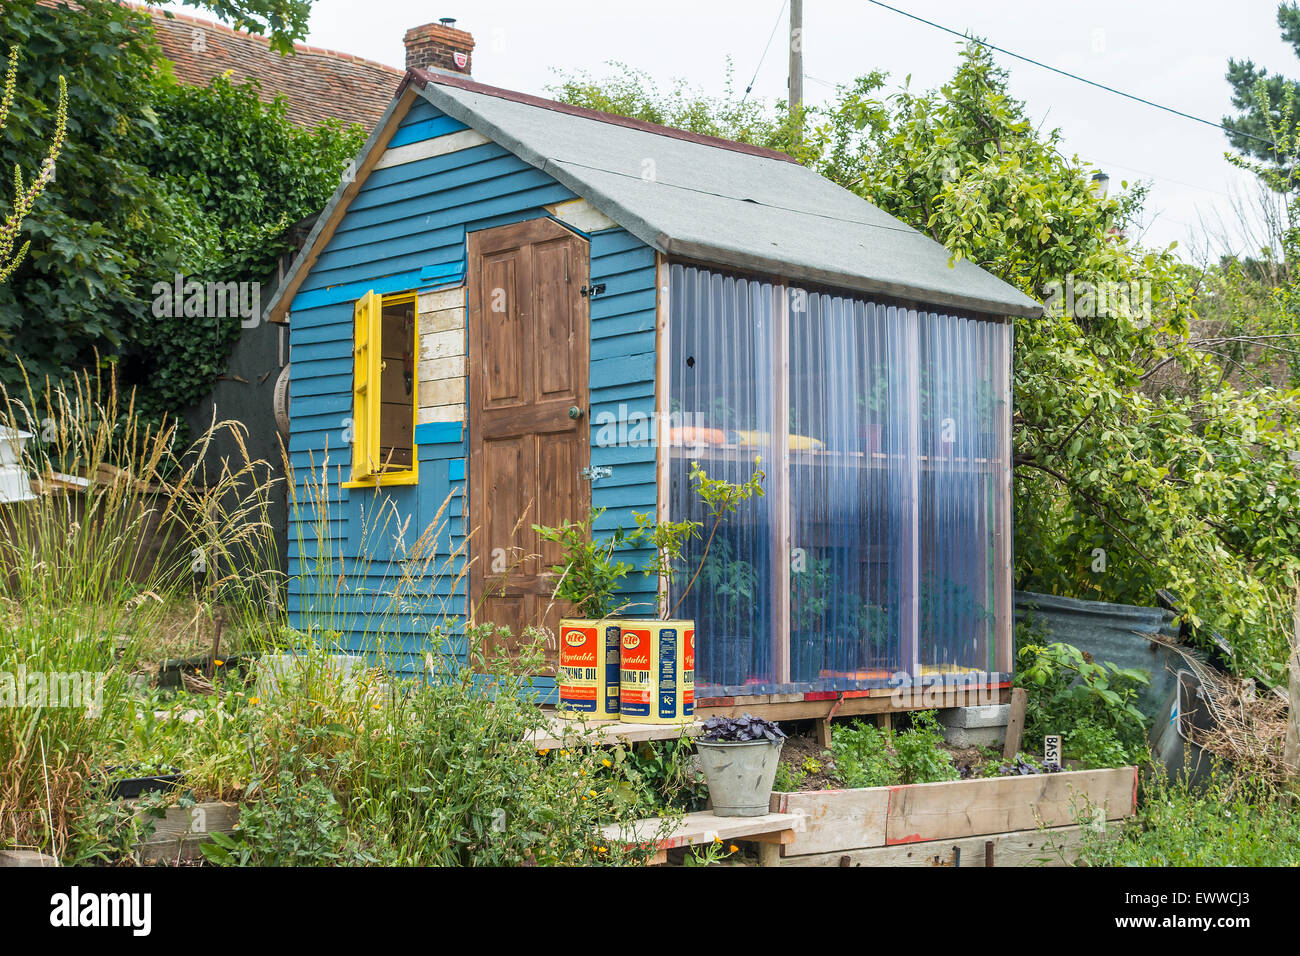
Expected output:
(838, 820)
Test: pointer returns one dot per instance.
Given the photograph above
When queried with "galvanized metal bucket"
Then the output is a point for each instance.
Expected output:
(739, 774)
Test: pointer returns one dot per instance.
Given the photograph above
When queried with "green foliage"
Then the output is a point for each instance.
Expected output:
(237, 174)
(866, 756)
(108, 832)
(919, 750)
(788, 779)
(103, 219)
(1231, 821)
(1260, 98)
(283, 21)
(155, 179)
(669, 540)
(590, 574)
(861, 756)
(656, 776)
(1091, 705)
(299, 822)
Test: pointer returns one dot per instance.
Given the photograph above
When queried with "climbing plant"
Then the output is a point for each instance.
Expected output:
(156, 179)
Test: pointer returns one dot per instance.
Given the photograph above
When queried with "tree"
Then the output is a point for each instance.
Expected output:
(156, 179)
(1121, 487)
(284, 21)
(1261, 96)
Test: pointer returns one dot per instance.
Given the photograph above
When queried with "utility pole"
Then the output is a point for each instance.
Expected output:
(796, 55)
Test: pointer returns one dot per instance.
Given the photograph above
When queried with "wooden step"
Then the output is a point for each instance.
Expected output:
(705, 827)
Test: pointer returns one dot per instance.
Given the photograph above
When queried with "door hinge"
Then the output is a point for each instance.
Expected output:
(592, 472)
(593, 290)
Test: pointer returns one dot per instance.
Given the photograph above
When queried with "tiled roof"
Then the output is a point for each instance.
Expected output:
(318, 84)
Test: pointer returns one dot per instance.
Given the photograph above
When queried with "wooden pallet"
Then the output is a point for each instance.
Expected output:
(706, 827)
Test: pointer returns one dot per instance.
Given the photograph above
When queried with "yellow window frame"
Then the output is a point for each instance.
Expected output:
(367, 367)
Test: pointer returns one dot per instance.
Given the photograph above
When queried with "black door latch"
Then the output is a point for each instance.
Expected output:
(593, 290)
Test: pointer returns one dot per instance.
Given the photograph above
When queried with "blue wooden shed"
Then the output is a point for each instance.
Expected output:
(515, 309)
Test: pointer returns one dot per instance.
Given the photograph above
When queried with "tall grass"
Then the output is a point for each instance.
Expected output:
(124, 523)
(419, 753)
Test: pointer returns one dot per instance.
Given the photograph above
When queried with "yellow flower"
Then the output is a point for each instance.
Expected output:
(591, 792)
(217, 663)
(544, 751)
(733, 848)
(606, 762)
(253, 700)
(716, 838)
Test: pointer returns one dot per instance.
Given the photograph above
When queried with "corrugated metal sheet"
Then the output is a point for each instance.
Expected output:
(1137, 637)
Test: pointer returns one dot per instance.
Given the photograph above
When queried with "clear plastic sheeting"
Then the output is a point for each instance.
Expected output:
(881, 551)
(720, 416)
(850, 489)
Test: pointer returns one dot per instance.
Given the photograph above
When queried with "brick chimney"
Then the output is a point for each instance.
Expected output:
(439, 46)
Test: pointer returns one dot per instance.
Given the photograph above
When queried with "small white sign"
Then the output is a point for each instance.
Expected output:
(1052, 750)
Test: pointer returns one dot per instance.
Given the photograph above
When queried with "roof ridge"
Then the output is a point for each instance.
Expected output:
(424, 77)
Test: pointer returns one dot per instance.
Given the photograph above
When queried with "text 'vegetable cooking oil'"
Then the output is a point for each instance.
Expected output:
(657, 671)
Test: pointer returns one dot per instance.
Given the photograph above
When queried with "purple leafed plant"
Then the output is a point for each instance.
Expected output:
(740, 730)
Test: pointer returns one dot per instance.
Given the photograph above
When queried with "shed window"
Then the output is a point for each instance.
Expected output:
(882, 545)
(385, 360)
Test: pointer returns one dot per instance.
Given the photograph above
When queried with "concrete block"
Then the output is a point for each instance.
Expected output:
(26, 858)
(981, 726)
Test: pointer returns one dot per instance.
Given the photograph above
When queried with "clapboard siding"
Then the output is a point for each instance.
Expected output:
(353, 564)
(622, 392)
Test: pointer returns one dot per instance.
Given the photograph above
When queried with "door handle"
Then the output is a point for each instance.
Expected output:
(575, 412)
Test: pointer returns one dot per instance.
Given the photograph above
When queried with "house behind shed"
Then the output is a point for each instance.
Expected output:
(520, 309)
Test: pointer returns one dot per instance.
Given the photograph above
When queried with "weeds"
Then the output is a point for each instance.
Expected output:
(1234, 820)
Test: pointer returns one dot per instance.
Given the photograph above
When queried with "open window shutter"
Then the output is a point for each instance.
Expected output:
(366, 352)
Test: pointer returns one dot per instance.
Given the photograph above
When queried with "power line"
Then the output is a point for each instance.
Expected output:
(770, 38)
(1073, 76)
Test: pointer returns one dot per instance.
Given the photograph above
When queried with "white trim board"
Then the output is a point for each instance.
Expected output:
(428, 148)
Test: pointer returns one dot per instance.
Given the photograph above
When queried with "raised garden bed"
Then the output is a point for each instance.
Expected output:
(922, 822)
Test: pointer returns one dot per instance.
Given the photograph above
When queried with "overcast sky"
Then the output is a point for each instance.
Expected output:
(1170, 52)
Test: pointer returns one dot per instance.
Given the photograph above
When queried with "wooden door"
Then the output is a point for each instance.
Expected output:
(528, 366)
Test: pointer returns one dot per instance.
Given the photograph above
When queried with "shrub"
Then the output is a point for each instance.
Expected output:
(861, 755)
(920, 752)
(1092, 705)
(866, 756)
